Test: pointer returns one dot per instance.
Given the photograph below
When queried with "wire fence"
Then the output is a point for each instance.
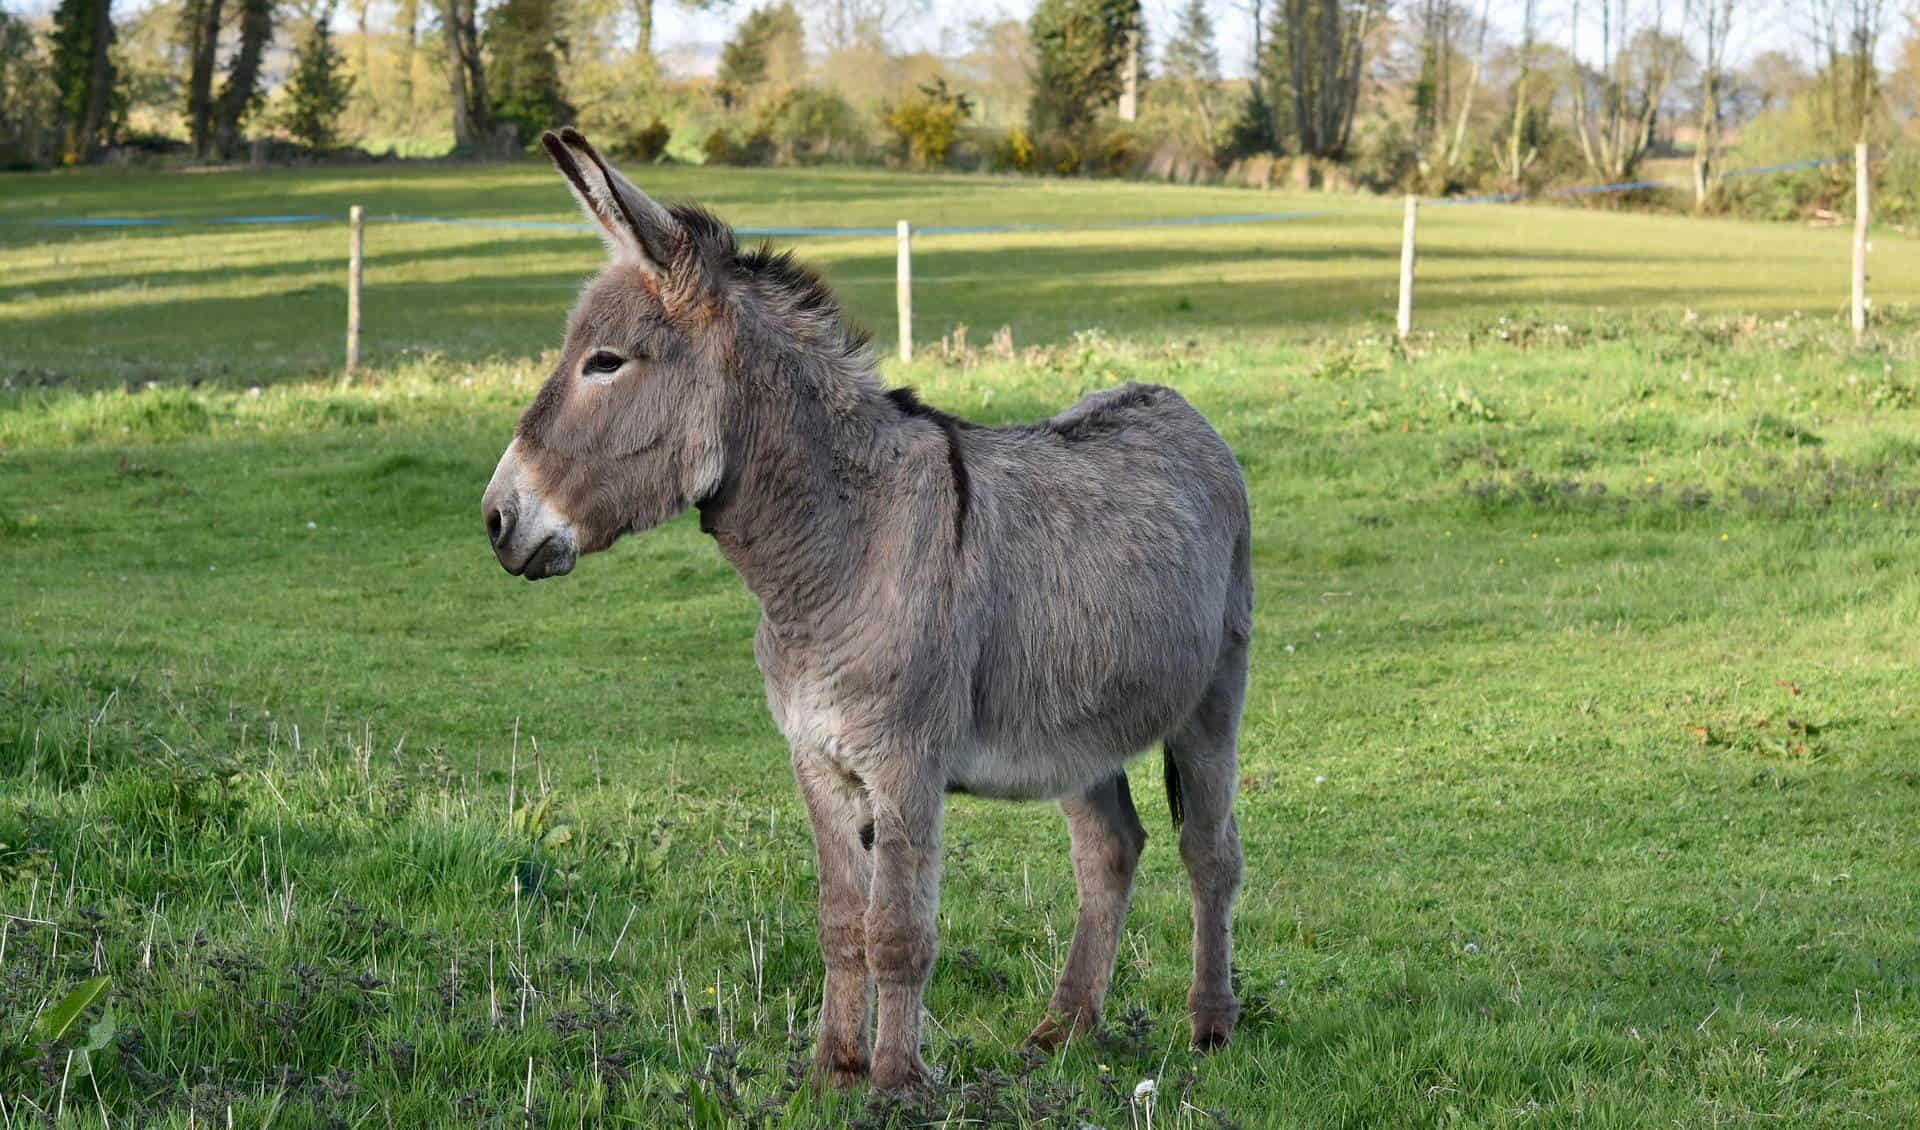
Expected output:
(904, 233)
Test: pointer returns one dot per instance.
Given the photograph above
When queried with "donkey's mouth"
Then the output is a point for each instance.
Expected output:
(553, 557)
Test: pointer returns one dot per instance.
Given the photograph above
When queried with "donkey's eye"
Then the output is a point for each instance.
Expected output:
(603, 362)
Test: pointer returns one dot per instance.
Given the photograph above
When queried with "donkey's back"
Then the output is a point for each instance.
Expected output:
(1111, 545)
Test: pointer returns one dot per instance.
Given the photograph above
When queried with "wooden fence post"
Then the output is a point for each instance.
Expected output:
(903, 290)
(1861, 179)
(1405, 321)
(355, 228)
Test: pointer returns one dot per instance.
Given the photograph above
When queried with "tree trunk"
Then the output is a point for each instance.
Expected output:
(643, 20)
(1130, 79)
(410, 34)
(99, 79)
(202, 20)
(466, 79)
(243, 76)
(1703, 152)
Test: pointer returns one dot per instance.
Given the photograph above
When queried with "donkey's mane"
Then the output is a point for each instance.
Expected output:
(778, 271)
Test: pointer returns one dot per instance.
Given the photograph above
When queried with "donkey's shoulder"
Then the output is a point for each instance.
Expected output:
(1131, 405)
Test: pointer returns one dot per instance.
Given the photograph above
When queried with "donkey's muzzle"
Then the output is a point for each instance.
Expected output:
(529, 538)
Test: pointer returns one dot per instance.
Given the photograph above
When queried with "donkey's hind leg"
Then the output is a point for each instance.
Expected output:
(1205, 760)
(1107, 840)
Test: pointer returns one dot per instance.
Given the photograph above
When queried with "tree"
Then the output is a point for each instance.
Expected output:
(1314, 59)
(1615, 108)
(27, 96)
(466, 76)
(769, 46)
(1526, 126)
(240, 94)
(318, 88)
(1081, 48)
(83, 74)
(522, 39)
(1846, 40)
(200, 36)
(1440, 129)
(1192, 64)
(1712, 21)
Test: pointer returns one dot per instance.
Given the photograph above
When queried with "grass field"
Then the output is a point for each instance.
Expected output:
(249, 304)
(1579, 765)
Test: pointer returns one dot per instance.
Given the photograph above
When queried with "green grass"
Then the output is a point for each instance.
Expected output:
(1578, 781)
(248, 305)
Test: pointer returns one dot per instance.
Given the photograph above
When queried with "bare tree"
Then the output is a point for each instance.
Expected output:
(1523, 126)
(1320, 46)
(1442, 24)
(1616, 106)
(466, 75)
(1712, 21)
(200, 31)
(1846, 37)
(241, 91)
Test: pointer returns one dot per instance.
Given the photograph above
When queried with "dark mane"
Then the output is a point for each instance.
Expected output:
(910, 404)
(778, 270)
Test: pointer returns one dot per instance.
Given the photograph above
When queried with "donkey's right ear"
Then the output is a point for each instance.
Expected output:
(633, 225)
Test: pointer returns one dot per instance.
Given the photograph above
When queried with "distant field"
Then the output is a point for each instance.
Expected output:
(241, 305)
(1579, 778)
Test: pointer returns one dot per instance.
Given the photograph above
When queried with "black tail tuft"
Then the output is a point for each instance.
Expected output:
(1175, 805)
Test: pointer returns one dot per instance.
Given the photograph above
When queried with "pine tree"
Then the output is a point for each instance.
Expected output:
(318, 88)
(770, 44)
(1192, 63)
(1082, 47)
(84, 75)
(522, 37)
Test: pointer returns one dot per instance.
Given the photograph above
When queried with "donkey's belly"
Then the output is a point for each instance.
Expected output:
(1044, 766)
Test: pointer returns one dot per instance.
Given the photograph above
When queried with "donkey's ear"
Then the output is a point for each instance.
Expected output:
(633, 225)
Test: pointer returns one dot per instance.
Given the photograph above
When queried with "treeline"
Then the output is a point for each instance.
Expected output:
(1418, 95)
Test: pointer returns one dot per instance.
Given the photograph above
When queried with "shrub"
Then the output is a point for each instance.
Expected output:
(927, 123)
(645, 145)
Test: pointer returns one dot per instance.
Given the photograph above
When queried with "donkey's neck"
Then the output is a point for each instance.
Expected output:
(803, 490)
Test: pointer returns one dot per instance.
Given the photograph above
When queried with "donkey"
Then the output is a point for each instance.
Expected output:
(1010, 612)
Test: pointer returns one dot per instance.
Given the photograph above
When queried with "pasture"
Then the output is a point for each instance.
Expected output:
(1578, 767)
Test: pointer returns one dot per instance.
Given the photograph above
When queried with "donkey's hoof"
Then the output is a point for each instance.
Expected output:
(909, 1074)
(1057, 1029)
(839, 1073)
(1049, 1036)
(1212, 1029)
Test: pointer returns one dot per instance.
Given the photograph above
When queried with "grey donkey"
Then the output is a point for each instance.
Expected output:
(1010, 612)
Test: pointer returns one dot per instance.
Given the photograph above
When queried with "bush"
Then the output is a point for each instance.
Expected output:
(645, 145)
(927, 123)
(808, 124)
(724, 147)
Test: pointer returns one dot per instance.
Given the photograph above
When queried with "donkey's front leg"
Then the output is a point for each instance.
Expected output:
(907, 799)
(837, 808)
(1107, 841)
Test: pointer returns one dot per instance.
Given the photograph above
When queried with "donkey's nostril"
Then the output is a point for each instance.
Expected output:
(497, 526)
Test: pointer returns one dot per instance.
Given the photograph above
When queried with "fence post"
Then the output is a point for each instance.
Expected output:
(1861, 179)
(903, 290)
(1406, 265)
(355, 229)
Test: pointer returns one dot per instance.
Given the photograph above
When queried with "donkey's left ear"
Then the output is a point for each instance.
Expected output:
(633, 225)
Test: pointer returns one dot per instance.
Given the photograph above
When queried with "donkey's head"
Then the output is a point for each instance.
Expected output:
(628, 430)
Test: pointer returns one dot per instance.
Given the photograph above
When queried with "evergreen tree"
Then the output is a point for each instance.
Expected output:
(318, 88)
(770, 45)
(1082, 48)
(83, 74)
(523, 40)
(1192, 63)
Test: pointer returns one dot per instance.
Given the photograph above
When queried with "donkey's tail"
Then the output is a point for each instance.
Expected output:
(1176, 807)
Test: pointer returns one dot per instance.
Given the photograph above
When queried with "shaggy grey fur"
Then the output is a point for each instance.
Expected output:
(1011, 612)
